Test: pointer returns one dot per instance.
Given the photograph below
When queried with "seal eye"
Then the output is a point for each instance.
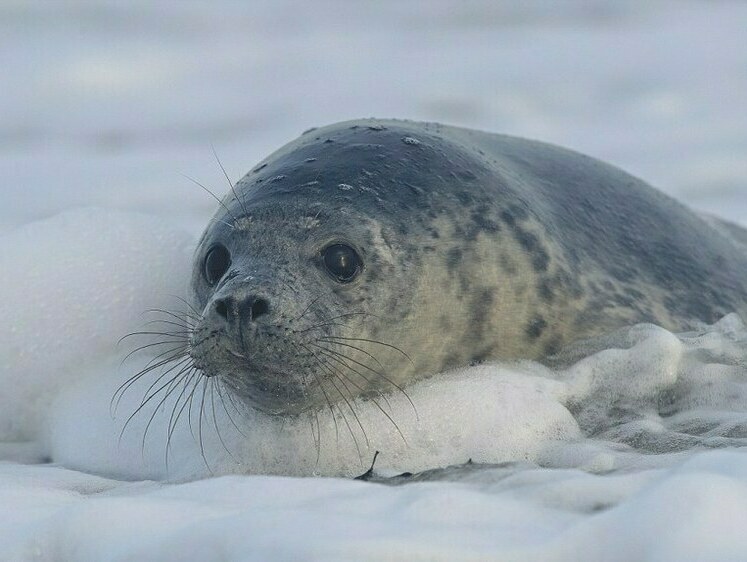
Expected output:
(217, 262)
(342, 262)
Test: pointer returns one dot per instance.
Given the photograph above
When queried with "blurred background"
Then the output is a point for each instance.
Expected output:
(110, 103)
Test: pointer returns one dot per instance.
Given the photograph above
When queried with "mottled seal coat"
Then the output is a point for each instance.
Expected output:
(367, 254)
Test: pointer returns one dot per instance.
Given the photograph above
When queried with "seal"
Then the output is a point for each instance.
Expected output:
(368, 254)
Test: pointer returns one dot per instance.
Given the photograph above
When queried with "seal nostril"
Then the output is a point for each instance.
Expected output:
(222, 308)
(259, 307)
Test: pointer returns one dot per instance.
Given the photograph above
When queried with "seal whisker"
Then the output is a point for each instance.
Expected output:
(329, 404)
(176, 316)
(119, 393)
(324, 366)
(231, 399)
(291, 287)
(371, 398)
(325, 340)
(184, 328)
(219, 387)
(213, 386)
(181, 334)
(189, 408)
(140, 407)
(394, 347)
(220, 202)
(312, 303)
(178, 365)
(345, 419)
(182, 365)
(177, 356)
(189, 305)
(230, 183)
(159, 405)
(376, 403)
(178, 344)
(379, 373)
(199, 425)
(177, 411)
(330, 322)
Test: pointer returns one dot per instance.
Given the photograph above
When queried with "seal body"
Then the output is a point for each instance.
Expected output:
(367, 254)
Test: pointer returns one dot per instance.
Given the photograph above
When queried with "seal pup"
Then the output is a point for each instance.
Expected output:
(367, 254)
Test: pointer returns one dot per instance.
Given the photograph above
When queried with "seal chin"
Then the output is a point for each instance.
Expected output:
(264, 391)
(265, 388)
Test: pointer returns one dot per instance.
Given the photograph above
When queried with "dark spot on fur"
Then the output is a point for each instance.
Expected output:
(450, 361)
(480, 307)
(552, 346)
(520, 213)
(481, 356)
(532, 244)
(508, 218)
(545, 291)
(636, 294)
(508, 265)
(464, 197)
(453, 259)
(484, 223)
(535, 327)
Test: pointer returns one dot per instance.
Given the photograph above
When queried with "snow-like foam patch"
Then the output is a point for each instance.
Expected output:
(71, 286)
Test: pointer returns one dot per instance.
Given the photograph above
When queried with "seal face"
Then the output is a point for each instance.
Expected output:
(367, 254)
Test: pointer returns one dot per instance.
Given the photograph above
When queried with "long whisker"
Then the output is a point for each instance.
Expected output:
(181, 345)
(352, 410)
(161, 403)
(199, 425)
(180, 334)
(187, 315)
(379, 373)
(389, 417)
(375, 342)
(176, 412)
(312, 303)
(179, 364)
(219, 386)
(139, 408)
(213, 386)
(230, 183)
(197, 313)
(325, 340)
(220, 202)
(122, 389)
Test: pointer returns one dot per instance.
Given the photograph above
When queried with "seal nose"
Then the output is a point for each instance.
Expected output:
(248, 308)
